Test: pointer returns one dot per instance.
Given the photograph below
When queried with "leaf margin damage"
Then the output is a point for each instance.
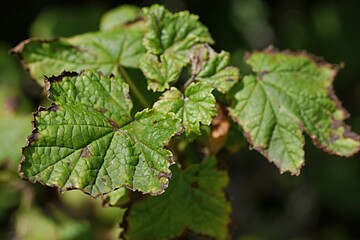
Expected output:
(34, 137)
(341, 111)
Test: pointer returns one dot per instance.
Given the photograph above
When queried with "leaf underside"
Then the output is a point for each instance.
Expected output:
(195, 201)
(88, 140)
(288, 93)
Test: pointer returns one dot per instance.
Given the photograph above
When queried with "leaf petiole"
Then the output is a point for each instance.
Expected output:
(133, 87)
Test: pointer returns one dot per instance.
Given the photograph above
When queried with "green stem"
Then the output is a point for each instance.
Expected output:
(188, 82)
(133, 87)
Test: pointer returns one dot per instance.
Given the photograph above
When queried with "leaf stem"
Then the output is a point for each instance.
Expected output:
(188, 82)
(133, 87)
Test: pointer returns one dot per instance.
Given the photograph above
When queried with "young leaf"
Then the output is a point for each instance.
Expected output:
(194, 201)
(124, 16)
(213, 68)
(87, 140)
(289, 92)
(159, 72)
(102, 51)
(173, 34)
(195, 107)
(169, 40)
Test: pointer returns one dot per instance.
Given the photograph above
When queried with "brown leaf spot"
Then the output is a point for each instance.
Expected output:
(134, 21)
(85, 152)
(114, 124)
(164, 175)
(261, 74)
(101, 110)
(171, 159)
(54, 107)
(197, 59)
(33, 137)
(127, 96)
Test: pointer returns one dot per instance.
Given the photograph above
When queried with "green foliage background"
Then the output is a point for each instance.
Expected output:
(323, 202)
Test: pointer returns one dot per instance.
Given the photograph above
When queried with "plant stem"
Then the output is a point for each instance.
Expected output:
(188, 82)
(133, 87)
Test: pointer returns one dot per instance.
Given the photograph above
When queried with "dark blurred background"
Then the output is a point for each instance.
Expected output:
(322, 203)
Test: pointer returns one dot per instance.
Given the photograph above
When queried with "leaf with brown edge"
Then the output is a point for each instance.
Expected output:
(213, 68)
(76, 144)
(291, 92)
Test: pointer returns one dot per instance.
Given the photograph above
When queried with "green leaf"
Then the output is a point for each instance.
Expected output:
(169, 41)
(196, 106)
(117, 198)
(173, 33)
(102, 51)
(124, 16)
(159, 72)
(291, 92)
(87, 140)
(213, 68)
(109, 97)
(194, 201)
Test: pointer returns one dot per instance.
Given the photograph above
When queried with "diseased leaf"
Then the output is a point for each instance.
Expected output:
(194, 201)
(213, 68)
(291, 92)
(169, 41)
(196, 106)
(87, 140)
(159, 72)
(124, 16)
(109, 97)
(102, 51)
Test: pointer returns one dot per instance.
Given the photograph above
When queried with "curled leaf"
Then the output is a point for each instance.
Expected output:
(213, 68)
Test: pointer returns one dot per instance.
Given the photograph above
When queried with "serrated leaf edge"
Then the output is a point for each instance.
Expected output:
(319, 61)
(264, 152)
(54, 107)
